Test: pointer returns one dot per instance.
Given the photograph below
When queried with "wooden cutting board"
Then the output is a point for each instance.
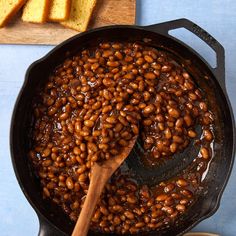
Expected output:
(107, 12)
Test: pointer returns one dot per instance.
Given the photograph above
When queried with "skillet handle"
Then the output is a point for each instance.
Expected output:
(164, 28)
(47, 229)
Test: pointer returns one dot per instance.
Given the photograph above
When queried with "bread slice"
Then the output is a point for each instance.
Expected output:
(80, 13)
(36, 11)
(8, 9)
(59, 10)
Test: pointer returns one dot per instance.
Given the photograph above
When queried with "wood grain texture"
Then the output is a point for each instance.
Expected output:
(106, 12)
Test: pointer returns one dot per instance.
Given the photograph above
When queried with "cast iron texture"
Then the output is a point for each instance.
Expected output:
(53, 221)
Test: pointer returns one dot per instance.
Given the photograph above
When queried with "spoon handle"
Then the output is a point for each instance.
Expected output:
(99, 177)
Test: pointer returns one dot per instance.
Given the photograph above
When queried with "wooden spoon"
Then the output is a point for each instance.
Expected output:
(100, 173)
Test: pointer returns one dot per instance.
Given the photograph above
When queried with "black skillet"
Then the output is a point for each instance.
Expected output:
(53, 221)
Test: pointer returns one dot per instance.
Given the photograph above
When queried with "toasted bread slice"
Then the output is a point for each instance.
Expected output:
(59, 10)
(36, 11)
(8, 9)
(80, 13)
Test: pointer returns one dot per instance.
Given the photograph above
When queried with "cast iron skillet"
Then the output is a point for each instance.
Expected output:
(53, 221)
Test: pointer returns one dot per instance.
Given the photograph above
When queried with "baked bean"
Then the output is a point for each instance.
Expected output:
(207, 135)
(81, 169)
(179, 122)
(161, 126)
(138, 211)
(174, 113)
(103, 224)
(96, 105)
(46, 163)
(104, 211)
(147, 122)
(131, 199)
(168, 209)
(95, 66)
(107, 109)
(84, 133)
(177, 139)
(187, 193)
(169, 187)
(165, 68)
(46, 192)
(83, 147)
(161, 197)
(139, 224)
(167, 133)
(150, 202)
(144, 192)
(203, 106)
(148, 58)
(82, 177)
(78, 127)
(69, 183)
(91, 106)
(117, 208)
(150, 140)
(169, 201)
(204, 152)
(173, 147)
(129, 215)
(148, 109)
(89, 123)
(106, 53)
(135, 129)
(46, 152)
(140, 61)
(180, 207)
(113, 63)
(150, 76)
(123, 121)
(182, 182)
(96, 133)
(188, 120)
(192, 134)
(111, 119)
(116, 220)
(146, 219)
(96, 216)
(184, 201)
(103, 146)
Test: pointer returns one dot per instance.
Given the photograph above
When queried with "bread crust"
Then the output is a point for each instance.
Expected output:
(12, 13)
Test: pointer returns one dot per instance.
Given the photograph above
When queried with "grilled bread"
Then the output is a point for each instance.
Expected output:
(80, 13)
(59, 10)
(8, 9)
(36, 11)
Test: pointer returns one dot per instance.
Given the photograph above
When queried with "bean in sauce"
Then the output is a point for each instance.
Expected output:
(92, 105)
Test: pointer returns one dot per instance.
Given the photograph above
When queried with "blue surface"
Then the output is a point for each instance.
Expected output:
(218, 17)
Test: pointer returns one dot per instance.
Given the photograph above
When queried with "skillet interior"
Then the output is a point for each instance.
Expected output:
(38, 73)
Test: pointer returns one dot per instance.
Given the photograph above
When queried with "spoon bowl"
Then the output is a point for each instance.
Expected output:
(163, 169)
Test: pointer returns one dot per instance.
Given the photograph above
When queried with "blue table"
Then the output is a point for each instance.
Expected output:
(218, 17)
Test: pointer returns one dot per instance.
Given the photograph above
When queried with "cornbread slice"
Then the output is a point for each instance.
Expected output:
(59, 10)
(8, 8)
(80, 13)
(36, 11)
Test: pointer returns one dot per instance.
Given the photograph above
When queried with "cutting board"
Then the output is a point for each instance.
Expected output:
(106, 12)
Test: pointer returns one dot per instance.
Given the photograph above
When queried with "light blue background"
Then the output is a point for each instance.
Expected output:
(218, 17)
